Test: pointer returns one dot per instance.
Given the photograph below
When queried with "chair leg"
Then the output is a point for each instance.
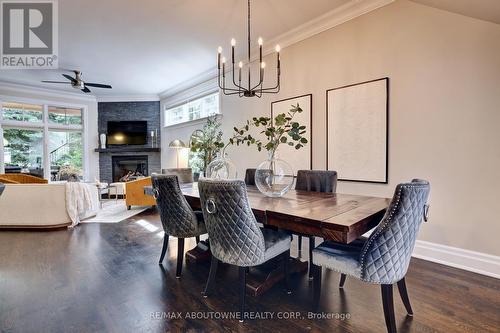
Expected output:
(243, 289)
(164, 248)
(180, 256)
(211, 277)
(316, 287)
(404, 296)
(342, 280)
(300, 243)
(286, 257)
(197, 239)
(387, 301)
(311, 248)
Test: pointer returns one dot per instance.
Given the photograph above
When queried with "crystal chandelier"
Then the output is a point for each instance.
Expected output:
(246, 90)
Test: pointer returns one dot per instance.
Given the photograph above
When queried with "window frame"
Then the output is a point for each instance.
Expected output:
(45, 125)
(185, 102)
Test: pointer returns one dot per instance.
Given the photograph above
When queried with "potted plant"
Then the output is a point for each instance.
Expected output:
(206, 144)
(274, 177)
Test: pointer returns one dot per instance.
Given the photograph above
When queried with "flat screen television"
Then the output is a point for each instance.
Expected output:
(127, 132)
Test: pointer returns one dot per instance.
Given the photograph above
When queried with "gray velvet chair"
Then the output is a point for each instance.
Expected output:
(315, 181)
(177, 217)
(382, 258)
(250, 177)
(2, 187)
(235, 237)
(185, 175)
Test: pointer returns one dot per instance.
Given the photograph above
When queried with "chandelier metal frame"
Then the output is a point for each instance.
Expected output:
(238, 88)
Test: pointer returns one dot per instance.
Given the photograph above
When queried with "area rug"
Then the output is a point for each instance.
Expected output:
(114, 212)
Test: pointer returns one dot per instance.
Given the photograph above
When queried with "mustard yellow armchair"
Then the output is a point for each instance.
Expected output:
(134, 193)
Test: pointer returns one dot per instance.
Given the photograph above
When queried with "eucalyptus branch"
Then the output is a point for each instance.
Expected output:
(280, 130)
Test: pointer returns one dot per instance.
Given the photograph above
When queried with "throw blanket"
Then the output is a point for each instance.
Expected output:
(81, 200)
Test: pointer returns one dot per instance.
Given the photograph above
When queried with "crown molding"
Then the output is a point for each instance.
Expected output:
(45, 92)
(203, 86)
(186, 85)
(331, 19)
(129, 98)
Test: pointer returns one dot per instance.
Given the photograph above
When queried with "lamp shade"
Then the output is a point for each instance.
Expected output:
(177, 144)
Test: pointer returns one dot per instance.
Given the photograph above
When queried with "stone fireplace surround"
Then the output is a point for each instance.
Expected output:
(129, 111)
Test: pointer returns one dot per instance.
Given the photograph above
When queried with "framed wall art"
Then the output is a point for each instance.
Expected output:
(357, 131)
(300, 159)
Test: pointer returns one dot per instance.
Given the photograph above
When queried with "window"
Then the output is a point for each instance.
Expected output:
(196, 109)
(22, 112)
(56, 155)
(65, 116)
(65, 155)
(23, 151)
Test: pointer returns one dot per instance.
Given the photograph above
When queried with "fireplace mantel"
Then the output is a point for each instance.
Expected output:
(128, 150)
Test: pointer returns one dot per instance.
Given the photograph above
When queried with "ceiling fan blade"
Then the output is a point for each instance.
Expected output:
(69, 77)
(98, 85)
(86, 90)
(65, 82)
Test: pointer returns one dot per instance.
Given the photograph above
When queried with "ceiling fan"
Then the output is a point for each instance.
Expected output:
(78, 83)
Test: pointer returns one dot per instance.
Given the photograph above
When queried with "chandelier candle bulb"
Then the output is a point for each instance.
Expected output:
(260, 49)
(219, 52)
(278, 49)
(233, 43)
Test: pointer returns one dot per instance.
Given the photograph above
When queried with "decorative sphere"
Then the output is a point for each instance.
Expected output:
(222, 168)
(274, 177)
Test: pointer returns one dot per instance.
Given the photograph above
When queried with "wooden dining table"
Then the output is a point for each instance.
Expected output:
(332, 216)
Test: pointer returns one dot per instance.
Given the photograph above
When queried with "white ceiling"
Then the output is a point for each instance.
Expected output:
(487, 10)
(149, 46)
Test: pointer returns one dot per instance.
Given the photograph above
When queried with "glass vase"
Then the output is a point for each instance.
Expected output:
(222, 168)
(274, 177)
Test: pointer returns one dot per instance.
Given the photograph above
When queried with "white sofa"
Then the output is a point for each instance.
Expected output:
(36, 206)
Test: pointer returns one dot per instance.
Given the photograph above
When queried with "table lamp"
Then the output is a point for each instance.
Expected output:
(177, 144)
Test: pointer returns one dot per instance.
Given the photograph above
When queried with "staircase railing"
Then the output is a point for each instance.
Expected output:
(58, 153)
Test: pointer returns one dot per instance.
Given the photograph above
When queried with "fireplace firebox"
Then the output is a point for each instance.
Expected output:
(129, 167)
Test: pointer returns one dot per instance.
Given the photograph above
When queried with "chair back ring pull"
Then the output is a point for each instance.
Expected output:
(210, 206)
(156, 193)
(426, 212)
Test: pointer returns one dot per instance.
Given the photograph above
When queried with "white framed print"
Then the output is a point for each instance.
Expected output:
(357, 119)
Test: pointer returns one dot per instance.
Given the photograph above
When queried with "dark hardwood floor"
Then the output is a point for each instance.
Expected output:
(106, 278)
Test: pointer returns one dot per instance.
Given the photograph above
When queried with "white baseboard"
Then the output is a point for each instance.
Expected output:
(472, 261)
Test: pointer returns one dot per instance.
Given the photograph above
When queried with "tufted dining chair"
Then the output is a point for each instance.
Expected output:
(177, 217)
(314, 181)
(250, 177)
(384, 257)
(185, 175)
(235, 237)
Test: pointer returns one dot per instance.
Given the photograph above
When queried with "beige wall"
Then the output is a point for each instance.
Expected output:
(444, 72)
